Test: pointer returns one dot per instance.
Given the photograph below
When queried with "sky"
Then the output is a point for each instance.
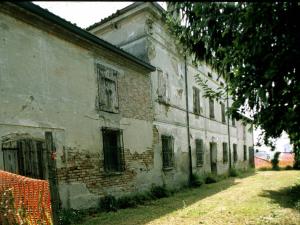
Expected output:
(85, 13)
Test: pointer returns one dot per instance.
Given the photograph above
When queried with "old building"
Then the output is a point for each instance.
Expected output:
(118, 117)
(141, 30)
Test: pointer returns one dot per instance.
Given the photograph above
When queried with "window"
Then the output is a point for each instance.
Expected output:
(25, 157)
(233, 121)
(211, 108)
(163, 90)
(245, 152)
(199, 152)
(113, 150)
(167, 151)
(209, 74)
(107, 89)
(244, 132)
(235, 156)
(196, 99)
(222, 84)
(223, 113)
(225, 152)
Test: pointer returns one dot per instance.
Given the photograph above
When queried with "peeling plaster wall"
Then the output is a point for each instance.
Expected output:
(162, 52)
(50, 84)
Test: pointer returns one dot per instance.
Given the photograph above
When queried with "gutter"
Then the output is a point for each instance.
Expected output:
(188, 122)
(82, 33)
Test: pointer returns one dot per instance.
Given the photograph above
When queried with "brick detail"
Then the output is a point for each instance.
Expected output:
(88, 168)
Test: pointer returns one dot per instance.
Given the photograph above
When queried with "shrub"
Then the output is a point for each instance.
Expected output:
(70, 216)
(233, 172)
(108, 203)
(288, 167)
(275, 161)
(160, 192)
(264, 169)
(196, 180)
(209, 179)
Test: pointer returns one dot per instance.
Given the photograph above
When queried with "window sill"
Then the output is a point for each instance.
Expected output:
(168, 168)
(113, 173)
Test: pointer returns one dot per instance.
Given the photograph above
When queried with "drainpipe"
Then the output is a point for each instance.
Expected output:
(228, 128)
(188, 121)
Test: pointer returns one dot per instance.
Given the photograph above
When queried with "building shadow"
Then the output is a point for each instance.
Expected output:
(152, 210)
(287, 197)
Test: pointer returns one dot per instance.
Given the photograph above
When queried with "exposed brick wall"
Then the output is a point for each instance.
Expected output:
(88, 168)
(135, 96)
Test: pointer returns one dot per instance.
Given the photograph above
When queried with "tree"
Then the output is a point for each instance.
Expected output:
(256, 48)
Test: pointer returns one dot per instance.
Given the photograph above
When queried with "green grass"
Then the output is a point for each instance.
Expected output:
(261, 198)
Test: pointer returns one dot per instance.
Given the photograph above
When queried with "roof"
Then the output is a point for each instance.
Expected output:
(122, 11)
(81, 32)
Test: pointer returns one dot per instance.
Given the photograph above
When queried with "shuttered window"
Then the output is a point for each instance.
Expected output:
(199, 152)
(113, 150)
(167, 151)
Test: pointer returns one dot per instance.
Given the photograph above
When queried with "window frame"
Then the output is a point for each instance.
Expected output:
(120, 166)
(225, 152)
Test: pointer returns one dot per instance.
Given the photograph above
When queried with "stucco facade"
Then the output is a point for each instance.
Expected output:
(88, 93)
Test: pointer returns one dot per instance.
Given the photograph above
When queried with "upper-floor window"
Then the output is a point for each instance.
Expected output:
(233, 121)
(113, 150)
(199, 152)
(167, 151)
(107, 89)
(225, 152)
(223, 112)
(211, 108)
(196, 100)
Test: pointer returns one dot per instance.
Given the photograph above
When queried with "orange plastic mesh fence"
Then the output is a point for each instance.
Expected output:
(24, 200)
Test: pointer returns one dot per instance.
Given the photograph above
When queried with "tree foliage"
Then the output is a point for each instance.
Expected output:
(256, 48)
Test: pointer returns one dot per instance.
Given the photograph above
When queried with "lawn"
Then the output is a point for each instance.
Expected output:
(260, 198)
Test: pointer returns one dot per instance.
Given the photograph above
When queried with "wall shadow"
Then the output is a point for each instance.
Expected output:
(152, 210)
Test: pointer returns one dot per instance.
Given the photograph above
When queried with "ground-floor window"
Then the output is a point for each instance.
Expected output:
(199, 152)
(113, 150)
(235, 156)
(167, 151)
(225, 152)
(245, 152)
(25, 157)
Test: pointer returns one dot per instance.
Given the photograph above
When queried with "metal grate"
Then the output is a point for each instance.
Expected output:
(199, 152)
(167, 151)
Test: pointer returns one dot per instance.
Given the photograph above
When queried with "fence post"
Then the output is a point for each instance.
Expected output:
(50, 148)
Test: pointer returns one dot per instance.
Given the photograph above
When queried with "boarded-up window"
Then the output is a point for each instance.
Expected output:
(107, 89)
(235, 156)
(225, 152)
(211, 108)
(199, 152)
(25, 157)
(167, 151)
(113, 150)
(196, 100)
(223, 113)
(163, 90)
(245, 152)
